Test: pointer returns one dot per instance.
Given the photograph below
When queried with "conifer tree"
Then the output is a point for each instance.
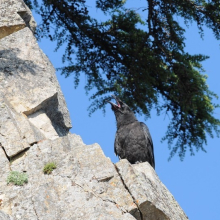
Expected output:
(144, 62)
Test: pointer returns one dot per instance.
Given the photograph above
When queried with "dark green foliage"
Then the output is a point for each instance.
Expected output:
(31, 3)
(49, 167)
(108, 5)
(143, 62)
(28, 3)
(17, 178)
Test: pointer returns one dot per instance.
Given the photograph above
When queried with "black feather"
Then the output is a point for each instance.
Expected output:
(133, 140)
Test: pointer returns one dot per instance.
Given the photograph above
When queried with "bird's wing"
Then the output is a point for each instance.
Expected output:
(116, 144)
(150, 146)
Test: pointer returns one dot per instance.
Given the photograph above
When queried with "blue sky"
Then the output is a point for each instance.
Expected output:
(195, 182)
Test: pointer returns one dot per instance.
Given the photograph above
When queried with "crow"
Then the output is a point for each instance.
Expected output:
(133, 140)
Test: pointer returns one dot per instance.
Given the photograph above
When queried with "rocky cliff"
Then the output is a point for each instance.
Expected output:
(34, 130)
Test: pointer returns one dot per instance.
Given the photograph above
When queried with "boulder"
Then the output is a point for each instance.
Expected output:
(152, 198)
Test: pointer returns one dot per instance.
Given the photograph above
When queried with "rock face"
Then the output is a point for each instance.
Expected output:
(34, 130)
(32, 106)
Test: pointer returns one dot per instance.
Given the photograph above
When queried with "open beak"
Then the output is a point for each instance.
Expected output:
(117, 105)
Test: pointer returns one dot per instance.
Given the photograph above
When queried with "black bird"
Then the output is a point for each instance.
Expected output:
(133, 140)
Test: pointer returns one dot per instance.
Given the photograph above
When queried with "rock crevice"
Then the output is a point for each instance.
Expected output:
(138, 213)
(5, 152)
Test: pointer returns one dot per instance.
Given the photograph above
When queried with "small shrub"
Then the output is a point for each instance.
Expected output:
(17, 178)
(49, 167)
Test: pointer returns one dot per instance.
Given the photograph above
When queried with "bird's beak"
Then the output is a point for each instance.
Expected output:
(115, 106)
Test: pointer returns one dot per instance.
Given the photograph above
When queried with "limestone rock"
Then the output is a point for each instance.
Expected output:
(4, 216)
(15, 15)
(85, 184)
(34, 130)
(29, 90)
(16, 131)
(151, 196)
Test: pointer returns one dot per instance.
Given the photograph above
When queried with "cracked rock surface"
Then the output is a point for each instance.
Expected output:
(32, 106)
(34, 130)
(85, 184)
(153, 199)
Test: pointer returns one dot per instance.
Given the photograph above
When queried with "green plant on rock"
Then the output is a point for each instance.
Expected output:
(49, 167)
(17, 178)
